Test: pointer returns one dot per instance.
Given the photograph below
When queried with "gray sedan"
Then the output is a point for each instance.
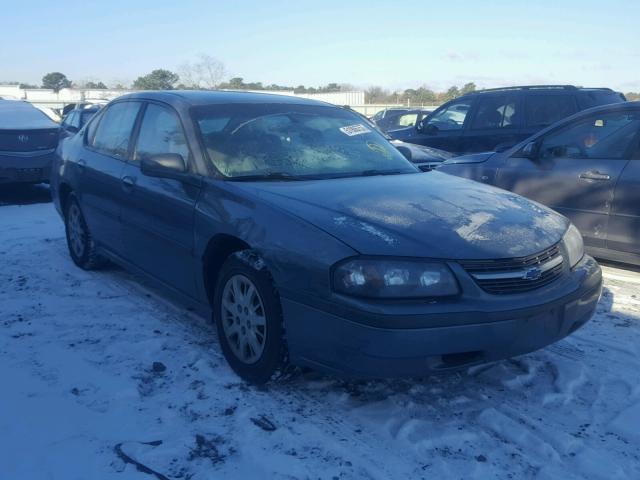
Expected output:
(586, 167)
(311, 240)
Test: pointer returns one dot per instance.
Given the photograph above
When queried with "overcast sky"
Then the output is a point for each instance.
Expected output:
(395, 44)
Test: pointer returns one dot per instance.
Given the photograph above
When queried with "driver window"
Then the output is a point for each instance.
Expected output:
(160, 132)
(451, 117)
(607, 135)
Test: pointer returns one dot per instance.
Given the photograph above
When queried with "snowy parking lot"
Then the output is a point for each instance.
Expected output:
(104, 379)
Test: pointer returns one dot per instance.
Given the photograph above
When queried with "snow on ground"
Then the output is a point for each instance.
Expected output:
(103, 379)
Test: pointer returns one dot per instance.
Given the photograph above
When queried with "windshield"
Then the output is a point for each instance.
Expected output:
(294, 141)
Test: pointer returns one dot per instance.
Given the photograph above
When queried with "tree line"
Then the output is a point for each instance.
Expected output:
(207, 72)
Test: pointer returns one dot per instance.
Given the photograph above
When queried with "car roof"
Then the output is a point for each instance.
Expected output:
(210, 97)
(611, 107)
(571, 88)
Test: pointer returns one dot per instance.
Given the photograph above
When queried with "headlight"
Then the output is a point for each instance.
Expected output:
(574, 245)
(391, 278)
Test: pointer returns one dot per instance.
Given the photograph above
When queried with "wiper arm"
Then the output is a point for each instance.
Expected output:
(371, 173)
(265, 176)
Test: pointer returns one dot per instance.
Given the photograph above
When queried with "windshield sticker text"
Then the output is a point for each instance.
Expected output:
(353, 130)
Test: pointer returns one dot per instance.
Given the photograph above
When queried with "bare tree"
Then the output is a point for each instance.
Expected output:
(206, 72)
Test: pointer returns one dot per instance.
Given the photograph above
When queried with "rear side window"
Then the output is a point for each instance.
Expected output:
(496, 112)
(543, 110)
(113, 132)
(160, 132)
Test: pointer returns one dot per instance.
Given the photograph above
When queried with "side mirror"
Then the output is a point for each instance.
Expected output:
(166, 165)
(530, 150)
(405, 152)
(424, 127)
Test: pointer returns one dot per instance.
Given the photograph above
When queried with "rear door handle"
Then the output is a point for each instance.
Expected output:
(595, 175)
(128, 182)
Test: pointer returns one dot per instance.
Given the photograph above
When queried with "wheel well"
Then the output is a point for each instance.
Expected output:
(218, 250)
(64, 192)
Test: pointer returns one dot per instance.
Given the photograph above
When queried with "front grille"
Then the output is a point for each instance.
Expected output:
(506, 276)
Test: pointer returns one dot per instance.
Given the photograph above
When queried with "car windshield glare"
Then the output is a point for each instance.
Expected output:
(282, 140)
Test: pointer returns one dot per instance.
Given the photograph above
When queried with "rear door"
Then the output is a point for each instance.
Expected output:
(100, 164)
(576, 170)
(545, 107)
(623, 233)
(496, 121)
(444, 128)
(158, 213)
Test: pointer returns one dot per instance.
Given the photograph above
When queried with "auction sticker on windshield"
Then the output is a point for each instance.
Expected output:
(353, 130)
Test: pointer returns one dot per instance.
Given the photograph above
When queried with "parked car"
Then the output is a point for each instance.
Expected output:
(499, 118)
(586, 167)
(394, 120)
(379, 116)
(77, 118)
(28, 139)
(425, 158)
(313, 240)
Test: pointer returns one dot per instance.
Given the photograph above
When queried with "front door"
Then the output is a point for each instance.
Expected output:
(445, 127)
(623, 233)
(576, 169)
(158, 213)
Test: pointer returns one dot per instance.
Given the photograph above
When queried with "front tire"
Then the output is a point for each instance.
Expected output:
(248, 319)
(81, 246)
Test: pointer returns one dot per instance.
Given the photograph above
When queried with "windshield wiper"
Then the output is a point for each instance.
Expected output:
(265, 176)
(371, 173)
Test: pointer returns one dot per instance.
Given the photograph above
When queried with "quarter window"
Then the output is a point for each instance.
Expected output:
(608, 135)
(113, 133)
(160, 132)
(541, 110)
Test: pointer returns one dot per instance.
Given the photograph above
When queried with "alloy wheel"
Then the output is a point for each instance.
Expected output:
(77, 232)
(243, 319)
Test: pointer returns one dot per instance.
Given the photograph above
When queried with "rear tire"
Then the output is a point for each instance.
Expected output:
(248, 317)
(81, 246)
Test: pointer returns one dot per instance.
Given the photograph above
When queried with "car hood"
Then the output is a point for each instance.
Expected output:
(420, 215)
(471, 158)
(422, 154)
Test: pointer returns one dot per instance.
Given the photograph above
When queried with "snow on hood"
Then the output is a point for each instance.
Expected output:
(18, 115)
(425, 215)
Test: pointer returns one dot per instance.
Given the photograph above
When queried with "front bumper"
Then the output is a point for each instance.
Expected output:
(365, 346)
(25, 168)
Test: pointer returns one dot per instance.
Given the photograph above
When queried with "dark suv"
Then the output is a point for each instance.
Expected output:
(499, 118)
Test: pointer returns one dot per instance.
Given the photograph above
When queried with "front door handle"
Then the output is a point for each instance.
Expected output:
(128, 182)
(595, 175)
